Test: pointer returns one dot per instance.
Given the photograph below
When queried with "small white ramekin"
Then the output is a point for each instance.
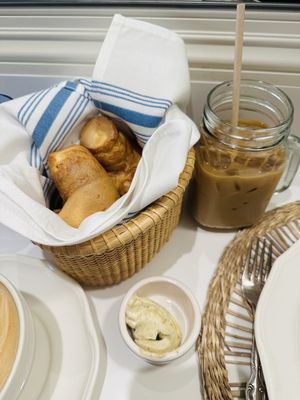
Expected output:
(25, 350)
(178, 300)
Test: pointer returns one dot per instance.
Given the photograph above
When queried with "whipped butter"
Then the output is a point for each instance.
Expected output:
(154, 329)
(9, 333)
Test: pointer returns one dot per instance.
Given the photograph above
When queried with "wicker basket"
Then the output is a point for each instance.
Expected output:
(224, 345)
(122, 251)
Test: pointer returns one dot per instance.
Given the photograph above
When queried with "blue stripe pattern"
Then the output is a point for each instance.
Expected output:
(67, 125)
(50, 115)
(111, 93)
(23, 110)
(35, 103)
(117, 89)
(137, 118)
(48, 188)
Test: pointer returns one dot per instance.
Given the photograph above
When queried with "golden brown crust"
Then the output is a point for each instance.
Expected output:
(99, 134)
(122, 181)
(90, 198)
(123, 178)
(82, 182)
(114, 159)
(90, 176)
(112, 149)
(72, 168)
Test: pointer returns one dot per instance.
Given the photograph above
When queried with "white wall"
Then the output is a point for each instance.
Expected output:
(40, 46)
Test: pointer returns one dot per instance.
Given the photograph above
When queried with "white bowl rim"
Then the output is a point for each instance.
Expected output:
(21, 342)
(183, 348)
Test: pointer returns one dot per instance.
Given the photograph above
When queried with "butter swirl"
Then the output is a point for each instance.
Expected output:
(154, 329)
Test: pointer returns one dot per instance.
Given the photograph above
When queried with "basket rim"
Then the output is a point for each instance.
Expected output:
(125, 233)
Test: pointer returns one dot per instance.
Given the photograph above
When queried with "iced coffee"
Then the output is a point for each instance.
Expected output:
(239, 166)
(233, 188)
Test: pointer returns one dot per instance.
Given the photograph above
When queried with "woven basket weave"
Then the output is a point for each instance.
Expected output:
(227, 325)
(124, 250)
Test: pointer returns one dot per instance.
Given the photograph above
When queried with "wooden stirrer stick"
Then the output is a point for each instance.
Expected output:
(238, 51)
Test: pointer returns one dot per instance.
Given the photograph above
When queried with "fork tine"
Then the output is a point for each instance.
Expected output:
(269, 261)
(262, 262)
(256, 260)
(246, 265)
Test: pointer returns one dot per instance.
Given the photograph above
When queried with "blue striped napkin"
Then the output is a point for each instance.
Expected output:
(50, 115)
(140, 77)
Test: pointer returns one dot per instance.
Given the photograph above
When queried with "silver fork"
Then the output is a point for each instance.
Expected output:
(256, 271)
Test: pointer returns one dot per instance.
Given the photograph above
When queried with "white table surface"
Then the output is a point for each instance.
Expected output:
(191, 255)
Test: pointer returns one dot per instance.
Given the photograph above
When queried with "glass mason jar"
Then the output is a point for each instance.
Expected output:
(238, 168)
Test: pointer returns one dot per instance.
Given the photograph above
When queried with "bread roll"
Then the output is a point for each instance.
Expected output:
(112, 149)
(90, 198)
(72, 168)
(122, 179)
(82, 182)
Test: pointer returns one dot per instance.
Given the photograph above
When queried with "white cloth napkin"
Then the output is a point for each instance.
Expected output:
(141, 77)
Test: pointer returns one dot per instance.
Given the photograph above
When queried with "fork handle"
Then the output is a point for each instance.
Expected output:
(255, 387)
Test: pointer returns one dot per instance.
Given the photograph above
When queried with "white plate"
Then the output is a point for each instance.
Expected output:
(277, 327)
(67, 357)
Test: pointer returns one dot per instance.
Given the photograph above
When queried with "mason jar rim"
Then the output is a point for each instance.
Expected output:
(260, 84)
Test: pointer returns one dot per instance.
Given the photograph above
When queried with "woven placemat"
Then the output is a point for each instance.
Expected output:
(224, 344)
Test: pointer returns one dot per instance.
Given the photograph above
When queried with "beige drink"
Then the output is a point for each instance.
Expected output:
(9, 333)
(238, 167)
(235, 196)
(233, 188)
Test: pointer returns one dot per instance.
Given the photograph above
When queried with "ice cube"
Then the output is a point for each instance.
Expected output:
(269, 164)
(256, 162)
(225, 160)
(240, 160)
